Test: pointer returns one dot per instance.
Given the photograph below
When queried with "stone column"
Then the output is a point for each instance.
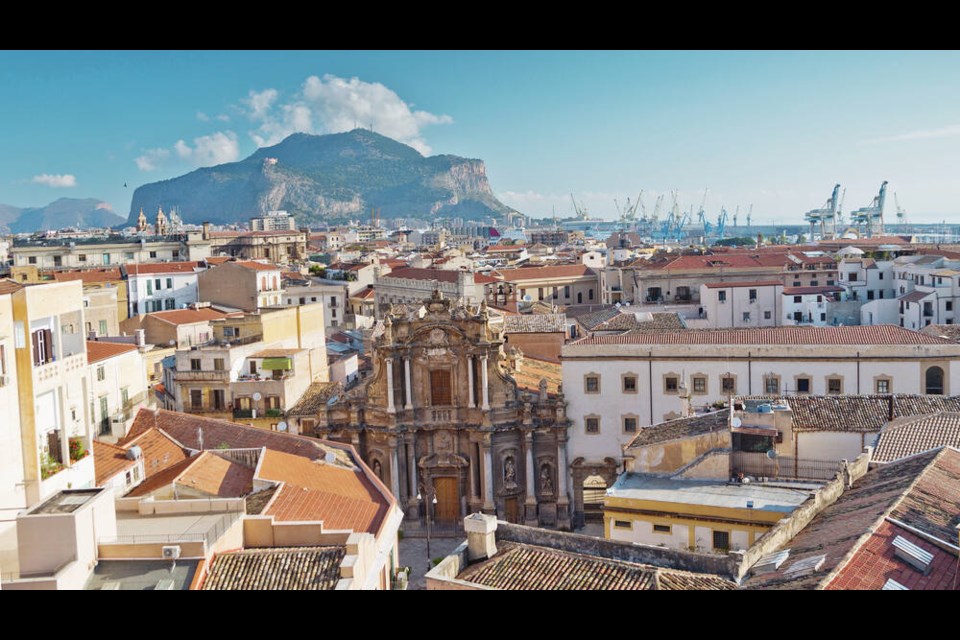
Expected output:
(406, 372)
(488, 506)
(394, 470)
(411, 476)
(531, 471)
(473, 401)
(483, 379)
(388, 363)
(563, 503)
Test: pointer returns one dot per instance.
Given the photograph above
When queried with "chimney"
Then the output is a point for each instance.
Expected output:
(759, 240)
(481, 536)
(141, 337)
(206, 230)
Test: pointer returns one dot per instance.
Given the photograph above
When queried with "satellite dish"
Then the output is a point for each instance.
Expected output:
(527, 298)
(772, 454)
(281, 426)
(617, 305)
(736, 422)
(257, 396)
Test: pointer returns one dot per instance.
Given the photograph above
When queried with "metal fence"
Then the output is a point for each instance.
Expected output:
(782, 468)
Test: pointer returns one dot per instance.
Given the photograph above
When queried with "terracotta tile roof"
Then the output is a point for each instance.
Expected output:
(594, 318)
(296, 568)
(836, 530)
(630, 322)
(915, 296)
(539, 273)
(109, 460)
(161, 267)
(159, 450)
(97, 351)
(9, 286)
(257, 266)
(160, 480)
(915, 434)
(89, 275)
(440, 275)
(884, 334)
(862, 414)
(874, 563)
(532, 370)
(364, 294)
(746, 283)
(187, 316)
(804, 291)
(947, 331)
(214, 260)
(215, 475)
(343, 498)
(523, 567)
(932, 504)
(718, 261)
(680, 428)
(539, 323)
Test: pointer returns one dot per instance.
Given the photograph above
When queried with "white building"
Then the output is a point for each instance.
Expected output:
(616, 384)
(809, 305)
(866, 279)
(118, 386)
(741, 304)
(161, 287)
(332, 293)
(274, 221)
(928, 290)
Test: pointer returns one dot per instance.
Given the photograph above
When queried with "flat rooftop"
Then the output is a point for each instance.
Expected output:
(66, 501)
(142, 575)
(709, 493)
(133, 527)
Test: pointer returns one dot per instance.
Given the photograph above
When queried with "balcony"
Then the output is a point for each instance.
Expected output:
(202, 376)
(53, 370)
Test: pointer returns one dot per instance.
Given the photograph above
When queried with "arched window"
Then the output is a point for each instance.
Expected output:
(934, 381)
(579, 297)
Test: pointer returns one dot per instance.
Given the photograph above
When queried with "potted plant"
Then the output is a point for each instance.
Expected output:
(78, 450)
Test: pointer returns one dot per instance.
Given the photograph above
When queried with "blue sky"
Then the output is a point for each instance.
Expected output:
(773, 129)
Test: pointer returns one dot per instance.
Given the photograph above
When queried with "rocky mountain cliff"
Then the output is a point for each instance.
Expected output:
(65, 212)
(329, 177)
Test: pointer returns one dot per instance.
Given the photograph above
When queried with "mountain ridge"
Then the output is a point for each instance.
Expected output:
(63, 212)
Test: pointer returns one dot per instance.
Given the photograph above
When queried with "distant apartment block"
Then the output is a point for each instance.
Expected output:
(274, 221)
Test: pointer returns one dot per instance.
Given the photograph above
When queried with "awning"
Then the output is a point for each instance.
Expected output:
(277, 363)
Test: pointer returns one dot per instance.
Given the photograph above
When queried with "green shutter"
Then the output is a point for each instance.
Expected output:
(277, 363)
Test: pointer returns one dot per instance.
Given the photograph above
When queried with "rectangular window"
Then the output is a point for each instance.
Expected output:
(169, 283)
(753, 295)
(830, 283)
(32, 260)
(767, 315)
(333, 313)
(803, 385)
(797, 299)
(136, 474)
(106, 258)
(540, 293)
(101, 373)
(629, 384)
(303, 301)
(881, 275)
(156, 284)
(852, 276)
(103, 327)
(721, 541)
(834, 386)
(870, 294)
(218, 364)
(592, 384)
(623, 524)
(721, 296)
(671, 383)
(796, 283)
(169, 304)
(314, 299)
(196, 398)
(218, 399)
(128, 255)
(82, 257)
(662, 528)
(699, 384)
(194, 364)
(42, 346)
(590, 294)
(592, 425)
(883, 386)
(814, 283)
(153, 254)
(149, 287)
(772, 385)
(823, 317)
(728, 384)
(949, 305)
(746, 316)
(566, 291)
(176, 254)
(629, 425)
(440, 391)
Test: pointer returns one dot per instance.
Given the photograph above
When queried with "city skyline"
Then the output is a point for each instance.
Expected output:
(775, 130)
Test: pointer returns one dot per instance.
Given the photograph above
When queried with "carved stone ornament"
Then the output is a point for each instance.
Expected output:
(438, 337)
(443, 442)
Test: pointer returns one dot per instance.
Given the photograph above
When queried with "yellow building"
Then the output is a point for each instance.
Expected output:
(697, 515)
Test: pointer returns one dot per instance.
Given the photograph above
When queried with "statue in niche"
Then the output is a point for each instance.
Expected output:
(543, 389)
(509, 472)
(378, 469)
(546, 479)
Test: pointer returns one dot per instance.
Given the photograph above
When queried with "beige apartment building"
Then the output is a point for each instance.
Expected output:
(243, 284)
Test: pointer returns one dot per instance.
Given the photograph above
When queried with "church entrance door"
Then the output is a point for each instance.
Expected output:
(448, 500)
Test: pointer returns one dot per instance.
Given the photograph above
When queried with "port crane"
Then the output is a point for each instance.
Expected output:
(870, 218)
(901, 212)
(749, 216)
(581, 211)
(825, 217)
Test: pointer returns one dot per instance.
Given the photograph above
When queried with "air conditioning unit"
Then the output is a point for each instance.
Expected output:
(171, 552)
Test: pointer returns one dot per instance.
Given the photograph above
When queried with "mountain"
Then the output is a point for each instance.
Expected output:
(65, 212)
(319, 178)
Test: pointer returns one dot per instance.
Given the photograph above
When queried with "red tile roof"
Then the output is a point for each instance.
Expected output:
(747, 283)
(187, 316)
(97, 351)
(288, 569)
(343, 498)
(9, 286)
(915, 434)
(806, 291)
(539, 273)
(161, 479)
(89, 275)
(160, 452)
(161, 267)
(215, 475)
(363, 294)
(884, 334)
(257, 266)
(108, 461)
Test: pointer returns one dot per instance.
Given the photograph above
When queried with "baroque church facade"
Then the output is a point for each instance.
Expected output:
(443, 415)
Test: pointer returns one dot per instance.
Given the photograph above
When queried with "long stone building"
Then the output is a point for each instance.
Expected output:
(450, 412)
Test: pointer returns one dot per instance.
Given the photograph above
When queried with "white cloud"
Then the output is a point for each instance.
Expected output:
(332, 104)
(202, 117)
(56, 180)
(151, 159)
(216, 148)
(920, 134)
(222, 117)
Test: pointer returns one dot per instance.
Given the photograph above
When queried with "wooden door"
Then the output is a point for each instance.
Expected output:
(512, 511)
(447, 509)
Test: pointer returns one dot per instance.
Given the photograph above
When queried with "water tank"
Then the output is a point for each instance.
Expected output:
(764, 408)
